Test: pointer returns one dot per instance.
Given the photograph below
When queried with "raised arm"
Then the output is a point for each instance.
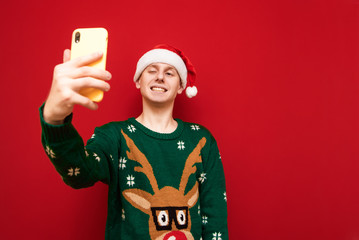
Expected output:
(78, 166)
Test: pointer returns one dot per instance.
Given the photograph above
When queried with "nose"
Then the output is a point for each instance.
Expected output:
(175, 235)
(160, 76)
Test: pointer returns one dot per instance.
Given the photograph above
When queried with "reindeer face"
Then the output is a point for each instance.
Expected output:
(165, 221)
(168, 208)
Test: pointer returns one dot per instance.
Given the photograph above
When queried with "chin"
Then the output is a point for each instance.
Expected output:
(164, 99)
(162, 102)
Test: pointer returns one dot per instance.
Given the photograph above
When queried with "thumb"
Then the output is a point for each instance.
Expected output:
(67, 55)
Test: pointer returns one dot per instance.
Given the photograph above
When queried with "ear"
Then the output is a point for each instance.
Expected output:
(180, 90)
(138, 83)
(139, 199)
(192, 196)
(180, 87)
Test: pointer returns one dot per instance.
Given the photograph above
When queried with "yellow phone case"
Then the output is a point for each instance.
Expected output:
(84, 42)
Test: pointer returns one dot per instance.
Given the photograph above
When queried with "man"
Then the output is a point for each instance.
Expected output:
(165, 176)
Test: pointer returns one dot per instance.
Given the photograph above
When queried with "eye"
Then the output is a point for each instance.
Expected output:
(151, 70)
(169, 74)
(162, 218)
(181, 217)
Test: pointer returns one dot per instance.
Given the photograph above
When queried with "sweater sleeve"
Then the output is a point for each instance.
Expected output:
(79, 166)
(213, 198)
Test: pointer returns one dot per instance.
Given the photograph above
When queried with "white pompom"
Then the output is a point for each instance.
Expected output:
(191, 91)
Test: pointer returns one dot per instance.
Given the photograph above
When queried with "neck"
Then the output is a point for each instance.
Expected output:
(158, 118)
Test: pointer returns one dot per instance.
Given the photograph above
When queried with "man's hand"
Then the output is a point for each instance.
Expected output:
(69, 77)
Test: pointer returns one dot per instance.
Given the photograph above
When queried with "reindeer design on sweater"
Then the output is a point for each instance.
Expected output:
(168, 208)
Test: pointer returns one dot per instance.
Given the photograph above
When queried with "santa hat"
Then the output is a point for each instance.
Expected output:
(164, 53)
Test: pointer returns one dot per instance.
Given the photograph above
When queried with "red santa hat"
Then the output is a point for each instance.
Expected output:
(164, 53)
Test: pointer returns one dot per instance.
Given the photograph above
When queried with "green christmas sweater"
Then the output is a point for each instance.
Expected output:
(161, 186)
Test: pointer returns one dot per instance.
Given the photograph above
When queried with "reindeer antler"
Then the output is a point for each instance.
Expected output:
(136, 155)
(189, 167)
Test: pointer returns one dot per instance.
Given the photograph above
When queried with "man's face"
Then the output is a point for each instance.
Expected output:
(159, 83)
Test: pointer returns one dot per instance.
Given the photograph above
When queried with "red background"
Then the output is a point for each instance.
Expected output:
(278, 88)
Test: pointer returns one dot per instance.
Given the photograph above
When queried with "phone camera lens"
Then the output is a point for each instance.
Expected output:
(77, 37)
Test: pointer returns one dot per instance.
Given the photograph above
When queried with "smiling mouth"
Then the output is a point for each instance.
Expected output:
(158, 89)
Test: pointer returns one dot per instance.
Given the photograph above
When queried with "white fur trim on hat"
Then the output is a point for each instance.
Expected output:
(162, 56)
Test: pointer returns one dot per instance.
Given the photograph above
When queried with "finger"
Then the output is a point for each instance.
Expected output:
(91, 72)
(67, 55)
(87, 59)
(84, 101)
(88, 82)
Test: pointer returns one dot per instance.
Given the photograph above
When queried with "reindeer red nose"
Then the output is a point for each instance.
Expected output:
(175, 235)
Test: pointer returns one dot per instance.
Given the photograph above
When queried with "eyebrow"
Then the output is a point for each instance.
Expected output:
(166, 69)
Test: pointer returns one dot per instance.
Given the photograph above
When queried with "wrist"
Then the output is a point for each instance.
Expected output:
(53, 122)
(50, 118)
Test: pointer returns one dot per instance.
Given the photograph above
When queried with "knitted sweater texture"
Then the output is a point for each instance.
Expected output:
(161, 186)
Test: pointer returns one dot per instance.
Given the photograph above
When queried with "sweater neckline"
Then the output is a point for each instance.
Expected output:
(176, 133)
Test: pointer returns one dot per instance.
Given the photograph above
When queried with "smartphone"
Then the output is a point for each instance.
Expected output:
(84, 42)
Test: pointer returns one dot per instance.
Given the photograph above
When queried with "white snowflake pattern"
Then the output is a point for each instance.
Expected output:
(180, 145)
(131, 128)
(199, 210)
(73, 172)
(202, 178)
(195, 127)
(93, 136)
(123, 214)
(225, 196)
(97, 157)
(50, 153)
(87, 154)
(220, 157)
(217, 236)
(204, 219)
(122, 163)
(130, 180)
(111, 157)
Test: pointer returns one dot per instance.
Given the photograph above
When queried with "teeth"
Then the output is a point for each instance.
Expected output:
(158, 89)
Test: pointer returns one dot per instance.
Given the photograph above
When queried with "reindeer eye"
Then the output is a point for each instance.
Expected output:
(163, 218)
(181, 217)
